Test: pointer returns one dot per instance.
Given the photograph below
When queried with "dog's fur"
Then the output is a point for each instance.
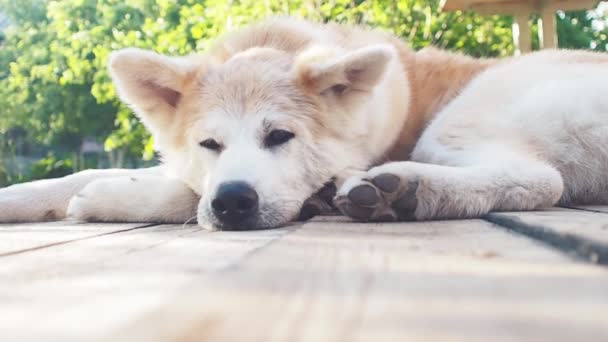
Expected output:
(454, 137)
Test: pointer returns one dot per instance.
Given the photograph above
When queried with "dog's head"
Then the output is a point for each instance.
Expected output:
(258, 133)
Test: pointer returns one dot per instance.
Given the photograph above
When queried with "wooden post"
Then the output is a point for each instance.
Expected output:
(549, 27)
(522, 9)
(524, 40)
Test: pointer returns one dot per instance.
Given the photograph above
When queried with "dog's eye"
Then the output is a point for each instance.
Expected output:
(210, 144)
(278, 137)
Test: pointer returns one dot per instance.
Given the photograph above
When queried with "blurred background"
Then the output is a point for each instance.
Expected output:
(58, 109)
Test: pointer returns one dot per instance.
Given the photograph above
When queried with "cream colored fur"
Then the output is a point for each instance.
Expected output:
(472, 135)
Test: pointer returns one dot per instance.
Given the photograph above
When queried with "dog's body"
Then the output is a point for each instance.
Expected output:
(281, 108)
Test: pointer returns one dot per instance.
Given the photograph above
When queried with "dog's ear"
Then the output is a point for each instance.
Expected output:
(152, 84)
(328, 71)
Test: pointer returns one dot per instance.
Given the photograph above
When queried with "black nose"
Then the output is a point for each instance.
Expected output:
(234, 203)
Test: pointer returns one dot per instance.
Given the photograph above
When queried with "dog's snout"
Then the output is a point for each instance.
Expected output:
(234, 204)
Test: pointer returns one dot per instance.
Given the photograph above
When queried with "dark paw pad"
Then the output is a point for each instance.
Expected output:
(352, 210)
(309, 211)
(385, 198)
(387, 182)
(319, 203)
(405, 205)
(364, 195)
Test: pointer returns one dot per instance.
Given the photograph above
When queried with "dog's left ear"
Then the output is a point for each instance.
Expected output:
(151, 83)
(324, 71)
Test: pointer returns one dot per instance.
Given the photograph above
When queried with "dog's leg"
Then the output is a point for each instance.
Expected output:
(47, 200)
(416, 191)
(134, 199)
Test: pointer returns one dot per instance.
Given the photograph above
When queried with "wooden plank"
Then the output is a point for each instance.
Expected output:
(581, 233)
(90, 287)
(19, 238)
(335, 281)
(571, 5)
(504, 9)
(461, 5)
(517, 6)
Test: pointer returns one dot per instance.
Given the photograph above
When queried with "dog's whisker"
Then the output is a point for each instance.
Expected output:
(188, 221)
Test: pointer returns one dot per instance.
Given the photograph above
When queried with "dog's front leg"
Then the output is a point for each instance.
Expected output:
(47, 200)
(416, 191)
(144, 198)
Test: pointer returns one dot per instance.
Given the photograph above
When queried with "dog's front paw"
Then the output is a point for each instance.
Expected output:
(79, 209)
(95, 203)
(381, 194)
(320, 203)
(134, 199)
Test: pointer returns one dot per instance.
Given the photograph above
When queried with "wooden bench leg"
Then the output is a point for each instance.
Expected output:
(524, 43)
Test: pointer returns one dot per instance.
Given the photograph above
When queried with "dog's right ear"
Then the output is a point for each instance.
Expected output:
(152, 84)
(321, 69)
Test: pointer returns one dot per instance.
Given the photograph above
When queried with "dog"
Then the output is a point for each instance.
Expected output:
(251, 129)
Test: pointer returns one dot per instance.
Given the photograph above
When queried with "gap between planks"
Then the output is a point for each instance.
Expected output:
(581, 232)
(57, 235)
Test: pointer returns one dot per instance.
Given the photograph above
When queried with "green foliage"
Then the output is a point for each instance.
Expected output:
(51, 167)
(576, 30)
(4, 175)
(54, 84)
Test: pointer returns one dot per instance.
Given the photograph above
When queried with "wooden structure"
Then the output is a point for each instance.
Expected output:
(522, 9)
(534, 276)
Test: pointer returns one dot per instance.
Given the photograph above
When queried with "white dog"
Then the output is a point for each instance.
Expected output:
(251, 129)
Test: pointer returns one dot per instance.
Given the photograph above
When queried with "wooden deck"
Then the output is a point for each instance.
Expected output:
(512, 276)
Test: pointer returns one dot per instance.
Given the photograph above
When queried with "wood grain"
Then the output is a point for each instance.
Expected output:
(337, 281)
(326, 280)
(90, 287)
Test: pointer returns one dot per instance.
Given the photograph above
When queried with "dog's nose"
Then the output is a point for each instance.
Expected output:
(234, 203)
